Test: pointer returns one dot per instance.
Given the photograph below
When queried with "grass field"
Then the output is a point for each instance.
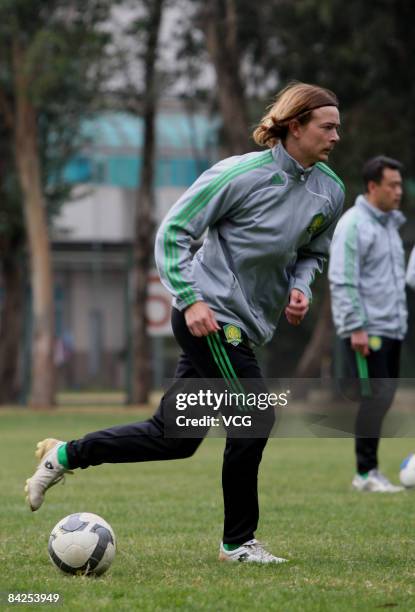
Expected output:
(347, 551)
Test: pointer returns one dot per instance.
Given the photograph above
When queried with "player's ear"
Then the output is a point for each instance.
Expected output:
(371, 185)
(294, 128)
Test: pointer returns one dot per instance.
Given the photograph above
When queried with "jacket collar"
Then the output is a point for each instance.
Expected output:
(287, 163)
(394, 216)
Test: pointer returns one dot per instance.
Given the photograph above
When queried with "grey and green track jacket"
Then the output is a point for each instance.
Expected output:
(269, 222)
(367, 272)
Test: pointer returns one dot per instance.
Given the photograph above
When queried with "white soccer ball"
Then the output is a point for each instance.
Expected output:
(407, 473)
(82, 544)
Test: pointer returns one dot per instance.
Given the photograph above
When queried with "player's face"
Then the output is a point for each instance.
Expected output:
(387, 194)
(317, 138)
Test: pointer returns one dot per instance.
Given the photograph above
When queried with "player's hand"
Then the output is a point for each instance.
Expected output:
(200, 320)
(360, 342)
(297, 307)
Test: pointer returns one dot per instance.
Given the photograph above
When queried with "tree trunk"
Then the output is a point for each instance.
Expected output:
(11, 324)
(219, 21)
(28, 166)
(144, 223)
(316, 357)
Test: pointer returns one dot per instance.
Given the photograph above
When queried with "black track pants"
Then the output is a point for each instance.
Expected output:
(383, 368)
(145, 441)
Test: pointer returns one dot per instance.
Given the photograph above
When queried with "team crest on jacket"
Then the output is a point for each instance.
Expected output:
(277, 179)
(233, 334)
(316, 222)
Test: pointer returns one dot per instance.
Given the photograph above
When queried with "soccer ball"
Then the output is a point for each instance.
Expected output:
(82, 544)
(407, 473)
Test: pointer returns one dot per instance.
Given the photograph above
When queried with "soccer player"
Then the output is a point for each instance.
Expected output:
(367, 282)
(269, 218)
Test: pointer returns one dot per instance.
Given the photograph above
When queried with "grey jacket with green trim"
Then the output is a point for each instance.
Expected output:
(269, 221)
(367, 272)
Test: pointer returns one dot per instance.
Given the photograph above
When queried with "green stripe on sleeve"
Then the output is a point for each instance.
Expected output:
(192, 208)
(327, 170)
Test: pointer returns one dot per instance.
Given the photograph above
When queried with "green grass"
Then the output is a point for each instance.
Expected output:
(348, 551)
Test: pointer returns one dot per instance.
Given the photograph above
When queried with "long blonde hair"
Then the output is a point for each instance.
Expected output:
(296, 101)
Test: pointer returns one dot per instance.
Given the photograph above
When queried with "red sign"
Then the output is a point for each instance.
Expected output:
(158, 307)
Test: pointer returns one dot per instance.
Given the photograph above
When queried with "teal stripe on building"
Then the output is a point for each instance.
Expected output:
(186, 147)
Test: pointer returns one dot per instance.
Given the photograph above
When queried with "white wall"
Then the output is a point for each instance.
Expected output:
(105, 213)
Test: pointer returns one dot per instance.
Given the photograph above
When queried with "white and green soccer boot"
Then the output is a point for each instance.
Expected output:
(374, 482)
(249, 552)
(48, 473)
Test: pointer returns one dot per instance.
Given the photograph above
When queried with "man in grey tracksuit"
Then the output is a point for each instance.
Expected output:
(269, 222)
(269, 218)
(367, 282)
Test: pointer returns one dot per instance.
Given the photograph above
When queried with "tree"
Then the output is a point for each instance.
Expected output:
(145, 205)
(42, 73)
(135, 51)
(219, 20)
(12, 241)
